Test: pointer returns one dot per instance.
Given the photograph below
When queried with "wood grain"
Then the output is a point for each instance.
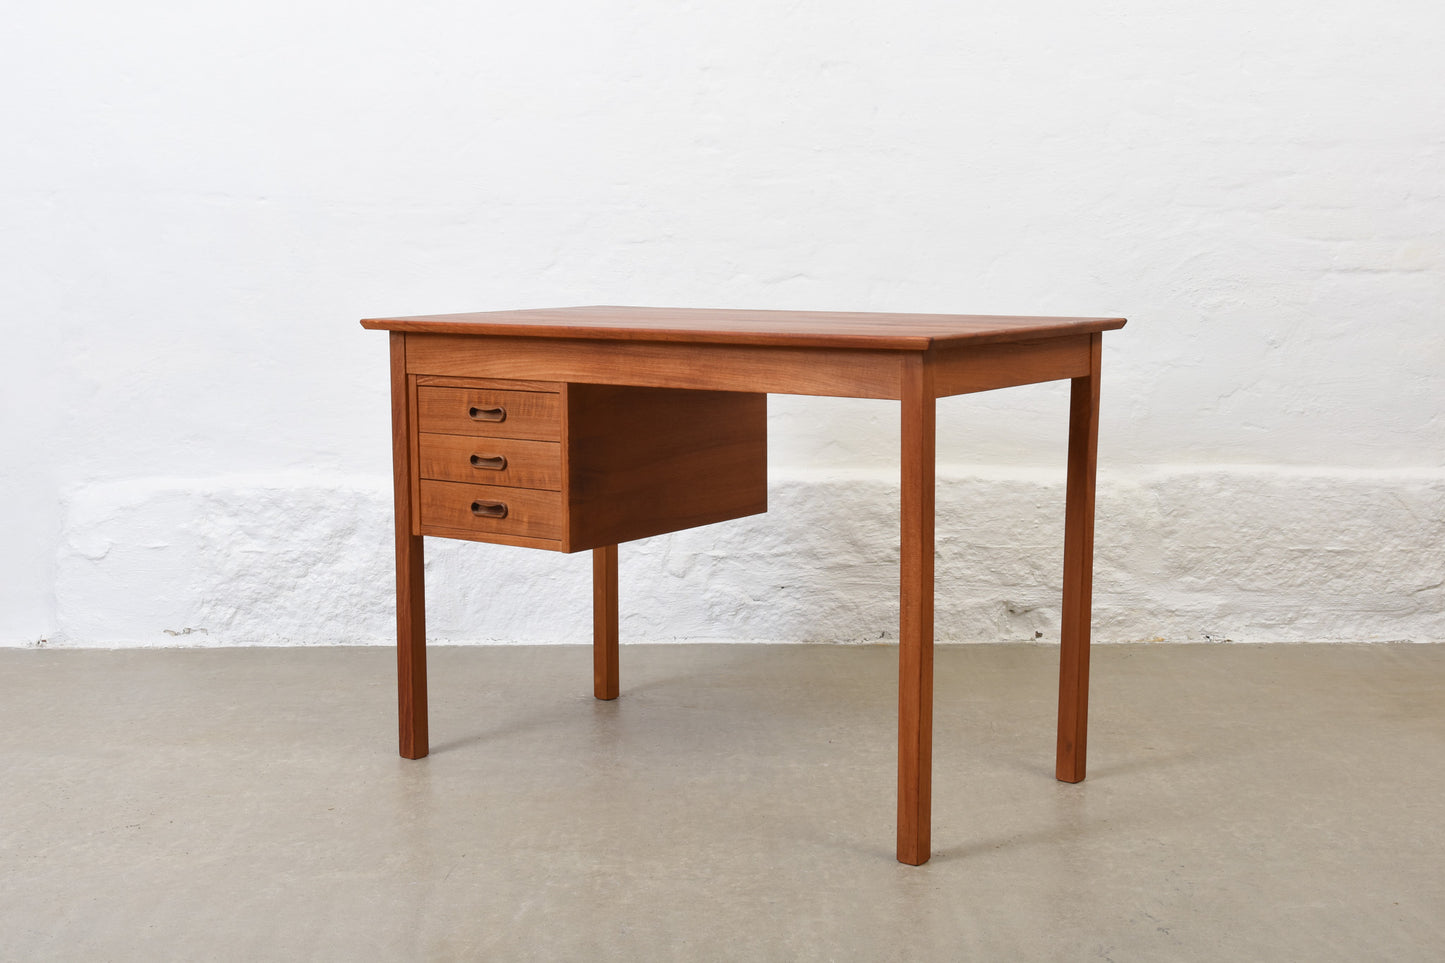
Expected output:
(633, 462)
(605, 674)
(410, 578)
(496, 538)
(798, 371)
(716, 326)
(535, 415)
(530, 513)
(413, 445)
(461, 458)
(915, 629)
(983, 367)
(1075, 629)
(509, 384)
(644, 461)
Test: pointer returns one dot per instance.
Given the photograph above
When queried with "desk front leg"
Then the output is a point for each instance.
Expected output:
(1078, 572)
(410, 645)
(410, 574)
(915, 629)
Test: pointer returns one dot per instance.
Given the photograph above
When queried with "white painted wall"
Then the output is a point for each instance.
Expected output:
(199, 201)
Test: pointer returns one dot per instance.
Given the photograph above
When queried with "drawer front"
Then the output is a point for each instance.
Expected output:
(491, 509)
(509, 462)
(492, 412)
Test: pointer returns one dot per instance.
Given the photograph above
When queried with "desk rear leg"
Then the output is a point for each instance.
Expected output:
(604, 622)
(1069, 763)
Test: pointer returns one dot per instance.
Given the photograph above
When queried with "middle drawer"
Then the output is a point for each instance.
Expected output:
(509, 462)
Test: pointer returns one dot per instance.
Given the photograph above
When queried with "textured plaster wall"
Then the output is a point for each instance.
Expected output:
(197, 203)
(270, 561)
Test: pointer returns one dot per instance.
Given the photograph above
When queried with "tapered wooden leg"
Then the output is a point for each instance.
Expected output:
(915, 630)
(1078, 573)
(410, 577)
(604, 622)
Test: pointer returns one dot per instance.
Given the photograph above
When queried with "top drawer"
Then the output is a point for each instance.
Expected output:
(493, 412)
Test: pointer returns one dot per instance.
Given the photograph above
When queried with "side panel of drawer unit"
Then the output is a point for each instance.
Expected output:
(644, 461)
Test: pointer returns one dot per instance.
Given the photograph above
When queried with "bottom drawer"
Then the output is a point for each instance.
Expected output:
(490, 509)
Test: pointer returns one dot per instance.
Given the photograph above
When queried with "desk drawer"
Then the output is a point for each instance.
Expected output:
(493, 412)
(508, 462)
(490, 509)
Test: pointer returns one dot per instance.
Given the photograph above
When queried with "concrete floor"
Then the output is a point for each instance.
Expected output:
(1243, 803)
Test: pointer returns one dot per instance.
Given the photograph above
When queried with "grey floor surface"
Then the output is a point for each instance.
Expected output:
(737, 803)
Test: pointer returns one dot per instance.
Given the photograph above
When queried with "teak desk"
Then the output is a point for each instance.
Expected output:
(579, 428)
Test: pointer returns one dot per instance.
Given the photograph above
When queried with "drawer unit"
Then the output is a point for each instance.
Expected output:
(570, 467)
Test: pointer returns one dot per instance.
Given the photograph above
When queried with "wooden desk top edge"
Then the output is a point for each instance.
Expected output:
(802, 329)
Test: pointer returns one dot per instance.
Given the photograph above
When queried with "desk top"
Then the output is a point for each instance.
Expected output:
(810, 329)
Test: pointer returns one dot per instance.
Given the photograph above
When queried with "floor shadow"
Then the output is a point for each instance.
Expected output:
(510, 729)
